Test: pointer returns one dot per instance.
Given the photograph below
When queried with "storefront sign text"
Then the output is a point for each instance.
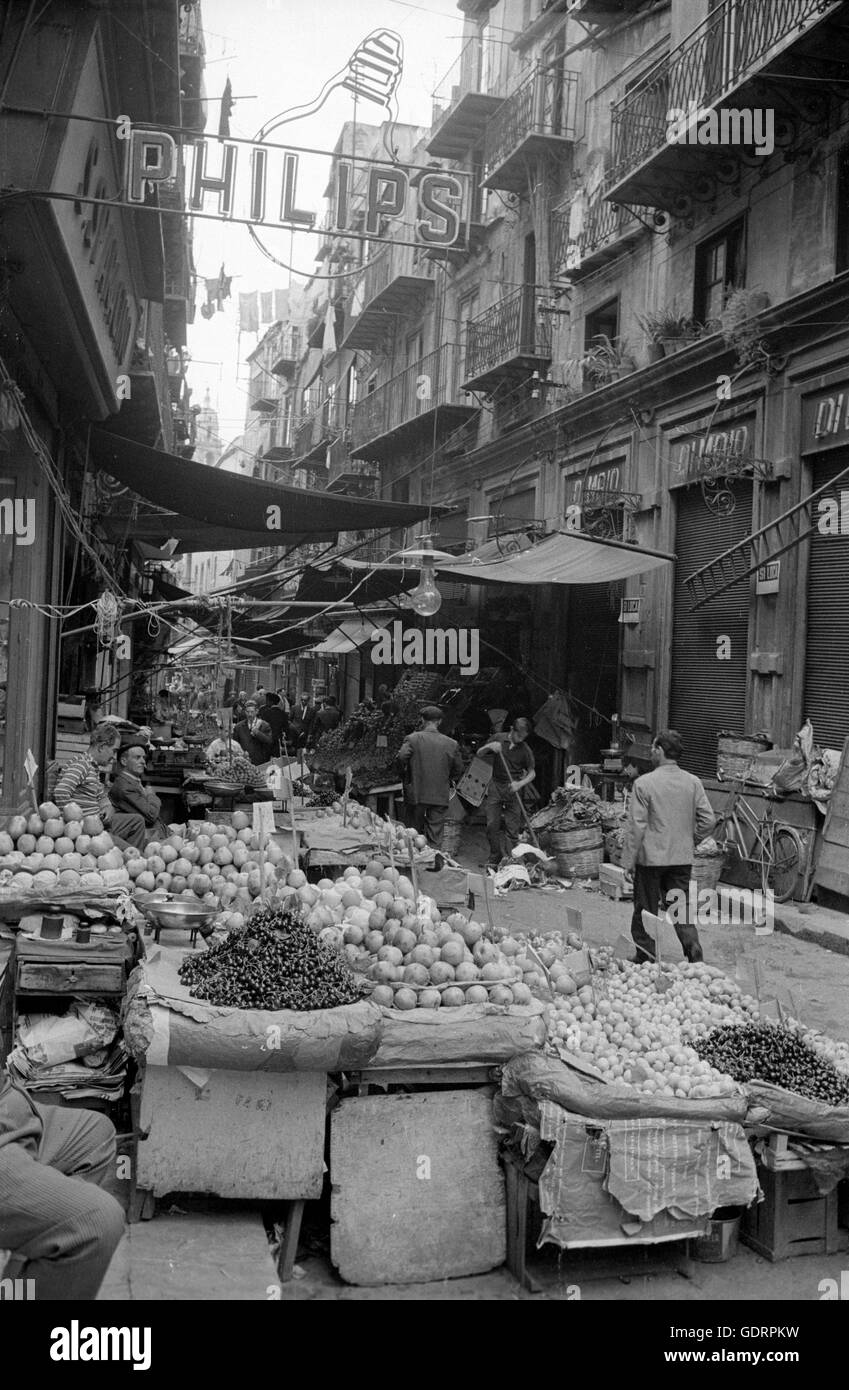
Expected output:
(825, 421)
(769, 578)
(698, 455)
(257, 184)
(400, 646)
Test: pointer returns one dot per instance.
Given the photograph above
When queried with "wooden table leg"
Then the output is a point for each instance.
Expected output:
(289, 1247)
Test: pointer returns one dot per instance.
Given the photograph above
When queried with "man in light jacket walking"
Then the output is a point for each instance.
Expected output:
(669, 814)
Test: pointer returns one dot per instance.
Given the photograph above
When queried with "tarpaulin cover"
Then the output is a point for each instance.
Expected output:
(222, 499)
(545, 1078)
(564, 558)
(478, 1034)
(573, 1195)
(775, 1108)
(166, 1027)
(687, 1167)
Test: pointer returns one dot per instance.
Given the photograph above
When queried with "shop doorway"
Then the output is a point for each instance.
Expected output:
(591, 665)
(827, 645)
(709, 647)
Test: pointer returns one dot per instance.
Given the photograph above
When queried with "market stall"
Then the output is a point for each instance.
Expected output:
(542, 1085)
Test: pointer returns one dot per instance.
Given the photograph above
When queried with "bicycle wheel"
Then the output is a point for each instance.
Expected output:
(780, 863)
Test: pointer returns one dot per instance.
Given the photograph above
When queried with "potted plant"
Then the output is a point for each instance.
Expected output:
(667, 330)
(607, 359)
(738, 326)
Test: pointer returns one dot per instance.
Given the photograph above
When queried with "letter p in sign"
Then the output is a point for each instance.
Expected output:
(151, 158)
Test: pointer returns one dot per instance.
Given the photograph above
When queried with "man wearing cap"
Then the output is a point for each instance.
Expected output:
(129, 793)
(434, 761)
(512, 769)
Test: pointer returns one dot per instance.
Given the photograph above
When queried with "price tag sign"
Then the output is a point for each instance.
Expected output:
(264, 818)
(381, 741)
(31, 766)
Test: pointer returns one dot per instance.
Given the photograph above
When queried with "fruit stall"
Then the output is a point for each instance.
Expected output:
(547, 1089)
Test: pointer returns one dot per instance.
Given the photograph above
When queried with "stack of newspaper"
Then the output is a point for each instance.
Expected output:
(78, 1054)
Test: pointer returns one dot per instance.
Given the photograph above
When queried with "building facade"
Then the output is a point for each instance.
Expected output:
(641, 335)
(94, 306)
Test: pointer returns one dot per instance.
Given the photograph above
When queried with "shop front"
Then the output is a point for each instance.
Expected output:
(711, 493)
(825, 450)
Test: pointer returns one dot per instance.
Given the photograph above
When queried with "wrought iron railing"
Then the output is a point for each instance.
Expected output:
(544, 103)
(729, 45)
(363, 469)
(324, 420)
(476, 70)
(604, 224)
(511, 328)
(433, 380)
(390, 263)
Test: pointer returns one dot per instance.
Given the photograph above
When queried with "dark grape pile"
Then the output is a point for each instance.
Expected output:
(274, 962)
(769, 1053)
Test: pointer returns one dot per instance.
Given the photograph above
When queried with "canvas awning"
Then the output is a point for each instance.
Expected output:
(345, 638)
(563, 558)
(196, 497)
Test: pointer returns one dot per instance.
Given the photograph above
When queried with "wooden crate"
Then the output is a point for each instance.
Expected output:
(793, 1219)
(417, 1190)
(243, 1134)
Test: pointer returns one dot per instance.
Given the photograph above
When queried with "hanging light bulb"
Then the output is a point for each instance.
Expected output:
(426, 598)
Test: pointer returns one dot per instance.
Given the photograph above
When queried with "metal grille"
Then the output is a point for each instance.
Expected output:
(427, 383)
(707, 694)
(508, 329)
(545, 103)
(827, 647)
(736, 38)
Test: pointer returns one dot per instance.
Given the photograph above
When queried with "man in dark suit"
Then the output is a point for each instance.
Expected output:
(301, 720)
(277, 721)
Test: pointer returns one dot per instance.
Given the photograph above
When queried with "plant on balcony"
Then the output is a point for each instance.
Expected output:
(607, 359)
(667, 330)
(738, 326)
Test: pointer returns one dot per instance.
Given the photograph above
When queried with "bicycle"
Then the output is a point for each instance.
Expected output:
(772, 845)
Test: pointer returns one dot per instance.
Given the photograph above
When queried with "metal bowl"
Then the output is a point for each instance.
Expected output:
(179, 914)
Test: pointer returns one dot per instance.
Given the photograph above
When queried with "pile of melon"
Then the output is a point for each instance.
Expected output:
(218, 864)
(66, 850)
(417, 958)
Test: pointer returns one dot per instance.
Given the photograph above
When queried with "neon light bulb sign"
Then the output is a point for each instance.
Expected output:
(255, 182)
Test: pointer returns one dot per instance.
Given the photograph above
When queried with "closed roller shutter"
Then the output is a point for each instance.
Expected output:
(706, 694)
(827, 652)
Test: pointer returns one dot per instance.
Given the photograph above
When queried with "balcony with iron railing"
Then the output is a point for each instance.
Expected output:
(397, 280)
(145, 415)
(319, 428)
(539, 118)
(508, 340)
(279, 443)
(425, 397)
(466, 98)
(721, 66)
(358, 477)
(607, 231)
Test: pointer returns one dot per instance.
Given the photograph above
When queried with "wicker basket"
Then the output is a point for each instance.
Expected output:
(582, 837)
(580, 863)
(706, 871)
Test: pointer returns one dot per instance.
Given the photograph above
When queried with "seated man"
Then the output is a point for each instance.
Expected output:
(55, 1215)
(129, 793)
(80, 783)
